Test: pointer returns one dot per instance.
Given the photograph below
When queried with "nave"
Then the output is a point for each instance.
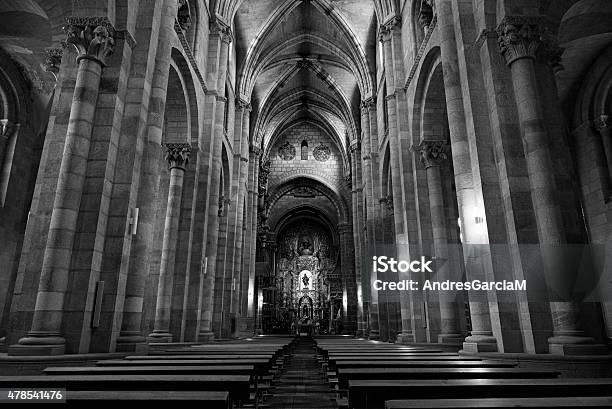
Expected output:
(327, 372)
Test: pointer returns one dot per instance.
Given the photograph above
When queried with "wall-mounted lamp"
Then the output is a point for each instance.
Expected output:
(133, 221)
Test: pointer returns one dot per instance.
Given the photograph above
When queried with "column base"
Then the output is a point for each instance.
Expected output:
(132, 343)
(404, 337)
(480, 343)
(374, 335)
(245, 326)
(39, 344)
(575, 345)
(454, 339)
(159, 337)
(206, 336)
(36, 350)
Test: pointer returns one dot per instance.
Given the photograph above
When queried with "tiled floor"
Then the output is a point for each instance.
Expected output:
(302, 384)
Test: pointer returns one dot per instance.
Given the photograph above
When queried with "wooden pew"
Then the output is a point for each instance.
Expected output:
(504, 403)
(238, 386)
(152, 370)
(261, 365)
(344, 375)
(207, 399)
(200, 357)
(372, 394)
(422, 364)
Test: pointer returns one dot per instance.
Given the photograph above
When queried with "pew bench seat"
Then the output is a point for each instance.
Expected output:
(504, 403)
(372, 394)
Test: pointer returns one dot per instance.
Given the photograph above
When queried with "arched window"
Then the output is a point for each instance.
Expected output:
(304, 150)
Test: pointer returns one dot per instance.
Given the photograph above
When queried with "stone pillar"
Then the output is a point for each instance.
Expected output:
(368, 123)
(520, 41)
(604, 127)
(237, 266)
(347, 258)
(400, 164)
(357, 196)
(432, 154)
(249, 301)
(481, 338)
(177, 155)
(219, 40)
(93, 38)
(147, 180)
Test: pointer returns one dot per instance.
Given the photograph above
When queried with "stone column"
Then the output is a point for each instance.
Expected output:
(400, 164)
(347, 258)
(177, 155)
(520, 41)
(249, 302)
(219, 40)
(432, 154)
(604, 127)
(368, 115)
(93, 38)
(481, 338)
(357, 196)
(241, 277)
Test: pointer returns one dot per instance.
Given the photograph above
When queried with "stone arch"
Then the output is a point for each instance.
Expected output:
(177, 127)
(180, 64)
(312, 181)
(432, 66)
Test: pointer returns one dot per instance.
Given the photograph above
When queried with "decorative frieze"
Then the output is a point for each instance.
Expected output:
(93, 38)
(177, 155)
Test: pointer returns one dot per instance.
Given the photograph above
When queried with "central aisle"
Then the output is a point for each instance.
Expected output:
(302, 384)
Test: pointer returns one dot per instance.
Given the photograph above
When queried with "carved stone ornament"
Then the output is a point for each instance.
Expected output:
(431, 153)
(520, 37)
(304, 191)
(183, 15)
(602, 123)
(177, 155)
(92, 37)
(286, 151)
(53, 60)
(321, 153)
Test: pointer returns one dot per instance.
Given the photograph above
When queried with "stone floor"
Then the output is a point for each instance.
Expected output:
(302, 384)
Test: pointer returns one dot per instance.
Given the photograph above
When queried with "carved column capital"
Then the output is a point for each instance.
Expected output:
(431, 153)
(243, 105)
(367, 104)
(177, 155)
(387, 203)
(602, 123)
(256, 151)
(385, 31)
(355, 146)
(53, 60)
(222, 29)
(92, 37)
(519, 37)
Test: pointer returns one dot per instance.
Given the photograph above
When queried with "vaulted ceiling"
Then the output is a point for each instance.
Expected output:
(309, 60)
